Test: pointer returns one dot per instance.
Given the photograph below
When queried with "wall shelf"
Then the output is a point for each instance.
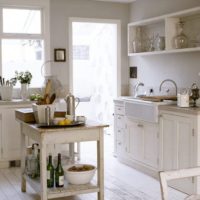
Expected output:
(165, 26)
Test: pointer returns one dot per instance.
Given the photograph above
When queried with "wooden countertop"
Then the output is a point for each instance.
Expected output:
(88, 125)
(175, 108)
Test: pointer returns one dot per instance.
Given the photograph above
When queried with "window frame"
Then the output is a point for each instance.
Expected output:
(43, 7)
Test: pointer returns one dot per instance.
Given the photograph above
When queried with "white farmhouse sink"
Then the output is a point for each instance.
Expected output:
(143, 110)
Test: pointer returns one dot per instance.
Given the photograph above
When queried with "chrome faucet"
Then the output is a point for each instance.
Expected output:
(168, 80)
(136, 88)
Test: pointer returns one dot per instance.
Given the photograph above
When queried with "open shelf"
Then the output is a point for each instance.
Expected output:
(165, 26)
(68, 190)
(194, 49)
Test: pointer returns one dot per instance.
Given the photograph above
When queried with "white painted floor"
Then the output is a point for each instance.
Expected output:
(121, 181)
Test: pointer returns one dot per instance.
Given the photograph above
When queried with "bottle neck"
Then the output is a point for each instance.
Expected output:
(59, 159)
(50, 159)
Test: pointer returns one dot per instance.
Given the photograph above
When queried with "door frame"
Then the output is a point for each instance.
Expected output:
(92, 20)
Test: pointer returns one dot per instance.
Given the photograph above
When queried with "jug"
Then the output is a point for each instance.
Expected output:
(70, 101)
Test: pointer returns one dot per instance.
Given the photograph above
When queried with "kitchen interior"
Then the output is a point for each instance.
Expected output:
(153, 123)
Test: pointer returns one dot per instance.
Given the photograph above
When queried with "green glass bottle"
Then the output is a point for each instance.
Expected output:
(59, 173)
(50, 173)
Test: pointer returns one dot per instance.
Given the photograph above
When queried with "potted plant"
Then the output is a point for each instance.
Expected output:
(25, 79)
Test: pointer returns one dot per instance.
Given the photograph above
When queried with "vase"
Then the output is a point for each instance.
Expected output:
(24, 91)
(180, 40)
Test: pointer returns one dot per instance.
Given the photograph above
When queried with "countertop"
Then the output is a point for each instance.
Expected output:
(175, 108)
(15, 102)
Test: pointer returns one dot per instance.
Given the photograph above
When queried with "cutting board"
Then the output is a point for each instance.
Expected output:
(158, 98)
(27, 115)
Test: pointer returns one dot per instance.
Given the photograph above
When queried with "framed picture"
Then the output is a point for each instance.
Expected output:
(59, 55)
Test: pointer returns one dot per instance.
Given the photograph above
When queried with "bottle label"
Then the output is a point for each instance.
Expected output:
(61, 180)
(48, 175)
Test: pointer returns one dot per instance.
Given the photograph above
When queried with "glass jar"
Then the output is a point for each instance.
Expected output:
(161, 43)
(137, 42)
(181, 40)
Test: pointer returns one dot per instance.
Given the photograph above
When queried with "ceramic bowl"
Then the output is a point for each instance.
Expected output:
(79, 177)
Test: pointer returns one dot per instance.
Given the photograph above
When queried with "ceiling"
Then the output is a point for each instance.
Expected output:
(120, 1)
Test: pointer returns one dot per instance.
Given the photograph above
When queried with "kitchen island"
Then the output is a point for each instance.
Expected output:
(91, 131)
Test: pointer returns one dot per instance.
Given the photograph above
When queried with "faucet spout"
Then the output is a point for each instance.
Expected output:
(169, 80)
(136, 88)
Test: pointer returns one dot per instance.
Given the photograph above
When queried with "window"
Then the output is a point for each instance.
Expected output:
(21, 21)
(22, 43)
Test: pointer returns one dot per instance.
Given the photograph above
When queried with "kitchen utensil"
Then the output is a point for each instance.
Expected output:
(195, 94)
(52, 98)
(48, 87)
(47, 99)
(70, 100)
(39, 112)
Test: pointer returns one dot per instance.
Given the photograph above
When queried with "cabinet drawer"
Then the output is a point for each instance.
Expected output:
(119, 121)
(119, 110)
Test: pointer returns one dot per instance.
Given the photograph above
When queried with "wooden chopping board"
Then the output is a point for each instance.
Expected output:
(158, 98)
(27, 115)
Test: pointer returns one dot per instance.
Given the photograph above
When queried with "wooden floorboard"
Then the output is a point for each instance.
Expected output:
(121, 181)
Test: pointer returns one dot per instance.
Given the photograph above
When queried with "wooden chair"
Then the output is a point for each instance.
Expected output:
(177, 174)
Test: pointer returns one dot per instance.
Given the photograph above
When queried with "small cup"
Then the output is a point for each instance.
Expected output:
(81, 118)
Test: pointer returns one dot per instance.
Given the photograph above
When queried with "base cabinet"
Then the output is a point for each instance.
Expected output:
(10, 144)
(178, 146)
(143, 142)
(136, 142)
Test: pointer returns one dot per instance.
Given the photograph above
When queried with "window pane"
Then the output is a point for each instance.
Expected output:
(22, 55)
(21, 21)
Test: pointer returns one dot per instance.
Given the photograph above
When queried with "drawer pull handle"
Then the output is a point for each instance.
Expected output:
(119, 117)
(119, 108)
(140, 125)
(119, 143)
(119, 131)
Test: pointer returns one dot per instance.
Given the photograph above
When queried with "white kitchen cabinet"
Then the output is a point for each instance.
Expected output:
(143, 142)
(10, 134)
(120, 138)
(165, 26)
(177, 146)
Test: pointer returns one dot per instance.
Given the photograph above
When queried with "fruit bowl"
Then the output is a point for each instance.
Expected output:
(78, 174)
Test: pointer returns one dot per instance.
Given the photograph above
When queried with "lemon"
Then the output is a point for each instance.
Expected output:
(67, 121)
(61, 122)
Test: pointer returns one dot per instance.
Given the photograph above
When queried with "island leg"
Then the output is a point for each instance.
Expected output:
(43, 166)
(23, 154)
(100, 165)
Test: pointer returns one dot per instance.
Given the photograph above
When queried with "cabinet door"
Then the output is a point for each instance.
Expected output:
(151, 144)
(177, 141)
(168, 142)
(10, 135)
(178, 147)
(135, 131)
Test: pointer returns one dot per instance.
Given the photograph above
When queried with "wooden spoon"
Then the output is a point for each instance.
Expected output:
(52, 98)
(47, 88)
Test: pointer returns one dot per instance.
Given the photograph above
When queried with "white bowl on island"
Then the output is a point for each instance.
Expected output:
(78, 174)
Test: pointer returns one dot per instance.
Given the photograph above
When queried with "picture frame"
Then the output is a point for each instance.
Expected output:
(59, 55)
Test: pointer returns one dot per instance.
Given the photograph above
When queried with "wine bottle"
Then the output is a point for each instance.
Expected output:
(59, 173)
(50, 173)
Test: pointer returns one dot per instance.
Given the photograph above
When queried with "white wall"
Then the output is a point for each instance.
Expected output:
(62, 10)
(183, 68)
